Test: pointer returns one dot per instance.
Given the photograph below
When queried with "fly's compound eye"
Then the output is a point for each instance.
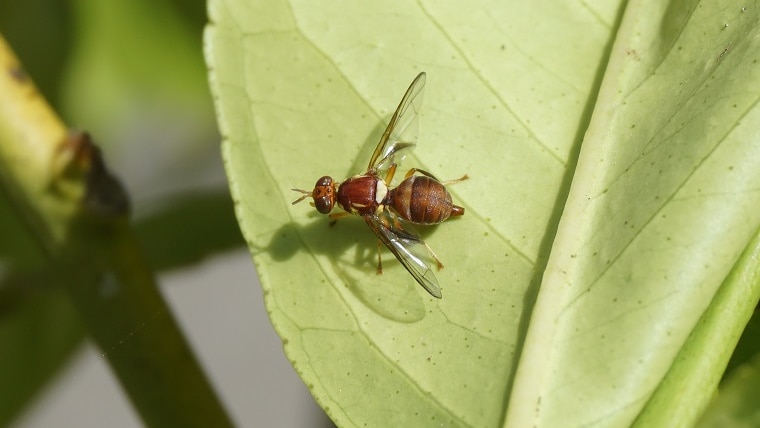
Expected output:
(324, 195)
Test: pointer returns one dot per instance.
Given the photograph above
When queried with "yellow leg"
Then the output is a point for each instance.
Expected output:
(412, 171)
(462, 178)
(432, 254)
(390, 174)
(335, 216)
(338, 215)
(379, 259)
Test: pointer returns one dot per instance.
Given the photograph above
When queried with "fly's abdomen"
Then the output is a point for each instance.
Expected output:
(422, 200)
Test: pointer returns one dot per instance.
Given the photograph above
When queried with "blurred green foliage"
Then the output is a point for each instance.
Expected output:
(131, 73)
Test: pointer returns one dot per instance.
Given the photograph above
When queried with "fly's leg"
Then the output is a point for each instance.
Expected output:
(385, 222)
(334, 217)
(412, 171)
(391, 172)
(456, 180)
(379, 259)
(432, 254)
(423, 172)
(379, 243)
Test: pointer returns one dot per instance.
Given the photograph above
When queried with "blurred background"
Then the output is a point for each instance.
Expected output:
(132, 74)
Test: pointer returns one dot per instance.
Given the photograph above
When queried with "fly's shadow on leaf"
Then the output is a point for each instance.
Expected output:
(351, 250)
(317, 235)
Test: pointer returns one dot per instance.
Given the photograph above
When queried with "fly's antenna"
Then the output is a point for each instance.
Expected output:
(306, 194)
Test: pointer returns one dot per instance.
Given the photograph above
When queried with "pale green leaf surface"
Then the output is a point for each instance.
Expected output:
(690, 383)
(664, 200)
(660, 209)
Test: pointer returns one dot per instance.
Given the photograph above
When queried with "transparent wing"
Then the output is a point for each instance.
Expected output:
(408, 247)
(401, 134)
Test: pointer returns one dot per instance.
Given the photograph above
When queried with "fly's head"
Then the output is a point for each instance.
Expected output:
(323, 195)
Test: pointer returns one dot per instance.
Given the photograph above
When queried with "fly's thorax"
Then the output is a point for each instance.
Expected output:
(422, 200)
(359, 194)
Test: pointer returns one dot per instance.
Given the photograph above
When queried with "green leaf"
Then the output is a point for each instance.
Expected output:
(613, 189)
(738, 405)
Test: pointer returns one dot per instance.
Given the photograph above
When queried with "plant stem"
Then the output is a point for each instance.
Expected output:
(77, 214)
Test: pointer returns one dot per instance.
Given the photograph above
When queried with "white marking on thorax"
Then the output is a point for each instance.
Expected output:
(381, 191)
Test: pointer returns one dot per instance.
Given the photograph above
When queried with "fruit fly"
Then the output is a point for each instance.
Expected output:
(390, 212)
